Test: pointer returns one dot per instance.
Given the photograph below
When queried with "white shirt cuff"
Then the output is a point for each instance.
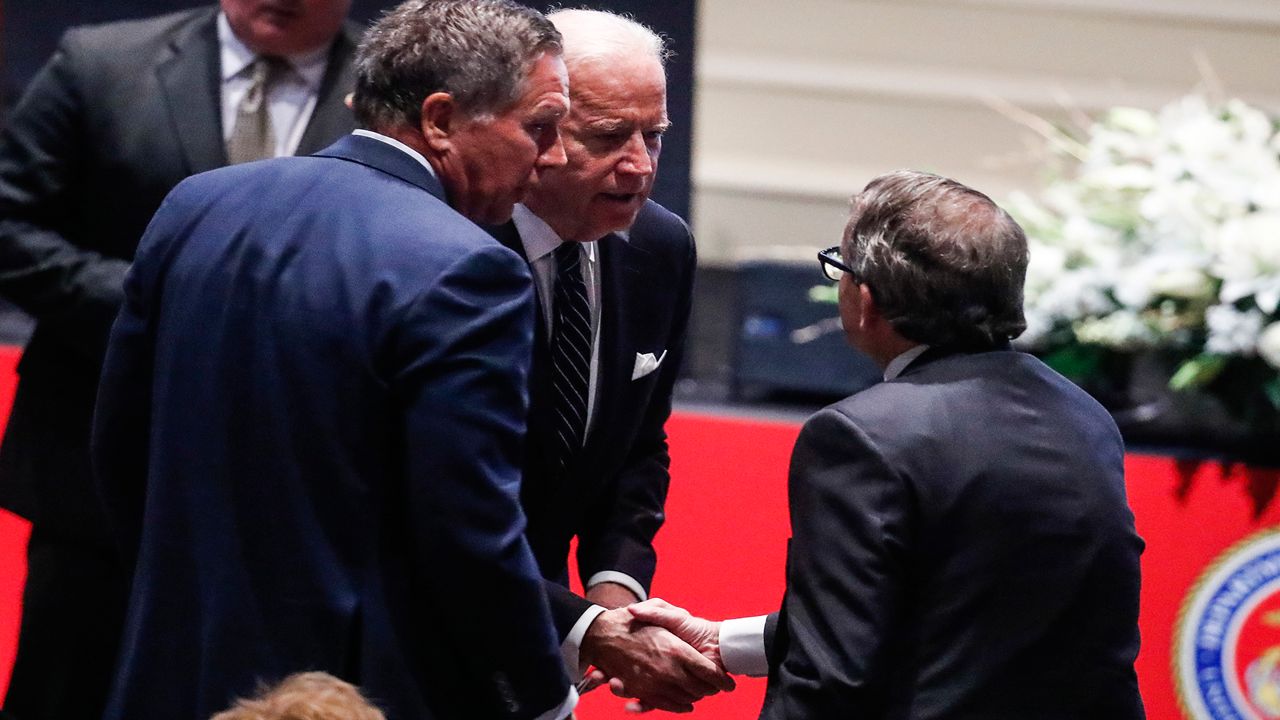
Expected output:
(572, 645)
(563, 709)
(742, 646)
(620, 578)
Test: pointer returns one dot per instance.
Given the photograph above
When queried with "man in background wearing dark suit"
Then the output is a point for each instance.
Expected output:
(118, 116)
(313, 403)
(614, 273)
(961, 542)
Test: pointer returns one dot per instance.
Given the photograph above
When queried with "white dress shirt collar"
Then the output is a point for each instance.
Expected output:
(397, 145)
(539, 239)
(900, 363)
(236, 57)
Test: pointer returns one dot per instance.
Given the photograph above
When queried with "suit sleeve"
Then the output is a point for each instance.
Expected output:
(120, 442)
(73, 291)
(622, 525)
(850, 517)
(462, 355)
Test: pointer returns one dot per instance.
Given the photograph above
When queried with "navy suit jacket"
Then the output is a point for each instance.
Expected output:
(308, 434)
(612, 496)
(962, 548)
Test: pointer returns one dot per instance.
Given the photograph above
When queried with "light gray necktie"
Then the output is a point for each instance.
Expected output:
(253, 138)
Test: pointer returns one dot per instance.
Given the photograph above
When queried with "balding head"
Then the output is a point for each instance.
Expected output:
(944, 263)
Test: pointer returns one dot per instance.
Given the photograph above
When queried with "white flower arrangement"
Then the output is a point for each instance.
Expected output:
(1162, 231)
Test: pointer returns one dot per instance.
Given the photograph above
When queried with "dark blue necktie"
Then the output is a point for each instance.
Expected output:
(570, 354)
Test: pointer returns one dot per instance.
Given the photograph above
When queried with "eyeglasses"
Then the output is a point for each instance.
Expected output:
(833, 266)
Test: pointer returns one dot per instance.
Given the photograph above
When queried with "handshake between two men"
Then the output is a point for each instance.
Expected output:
(657, 653)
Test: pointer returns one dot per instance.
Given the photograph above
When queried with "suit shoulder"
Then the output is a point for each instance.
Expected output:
(351, 33)
(124, 39)
(396, 215)
(985, 388)
(655, 221)
(661, 232)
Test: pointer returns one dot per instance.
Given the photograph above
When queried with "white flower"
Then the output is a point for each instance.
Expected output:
(1232, 332)
(1135, 121)
(1122, 329)
(1269, 345)
(1170, 222)
(1185, 283)
(1247, 258)
(1177, 214)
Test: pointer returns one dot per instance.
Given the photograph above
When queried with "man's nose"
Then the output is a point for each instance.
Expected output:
(553, 156)
(637, 159)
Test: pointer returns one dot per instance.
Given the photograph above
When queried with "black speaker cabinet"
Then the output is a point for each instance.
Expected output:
(789, 339)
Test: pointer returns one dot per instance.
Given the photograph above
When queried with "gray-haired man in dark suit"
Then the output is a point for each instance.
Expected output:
(961, 542)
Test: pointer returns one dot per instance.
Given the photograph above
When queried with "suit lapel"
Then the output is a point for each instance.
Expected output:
(539, 380)
(189, 80)
(510, 239)
(332, 118)
(621, 273)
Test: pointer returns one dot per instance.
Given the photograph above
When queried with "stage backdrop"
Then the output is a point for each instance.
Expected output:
(722, 553)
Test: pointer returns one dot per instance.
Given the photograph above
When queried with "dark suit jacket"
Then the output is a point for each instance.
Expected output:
(118, 116)
(612, 498)
(962, 548)
(309, 432)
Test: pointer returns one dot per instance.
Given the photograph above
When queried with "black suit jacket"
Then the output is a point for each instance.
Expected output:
(962, 548)
(612, 498)
(118, 116)
(309, 434)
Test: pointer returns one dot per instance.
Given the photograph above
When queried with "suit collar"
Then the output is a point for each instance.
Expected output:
(900, 363)
(385, 158)
(935, 353)
(509, 236)
(539, 239)
(188, 76)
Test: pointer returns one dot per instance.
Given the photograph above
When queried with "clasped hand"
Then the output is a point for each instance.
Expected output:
(656, 653)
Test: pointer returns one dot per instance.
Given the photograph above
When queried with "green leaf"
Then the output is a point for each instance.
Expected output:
(1077, 362)
(824, 294)
(1198, 372)
(1272, 391)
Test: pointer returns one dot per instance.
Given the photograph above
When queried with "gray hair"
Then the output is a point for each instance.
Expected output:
(599, 36)
(478, 51)
(944, 263)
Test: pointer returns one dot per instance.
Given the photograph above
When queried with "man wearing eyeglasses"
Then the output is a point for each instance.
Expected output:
(961, 542)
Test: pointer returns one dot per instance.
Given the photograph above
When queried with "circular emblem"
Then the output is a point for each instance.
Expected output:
(1226, 658)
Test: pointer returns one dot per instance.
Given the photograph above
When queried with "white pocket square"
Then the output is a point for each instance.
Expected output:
(646, 363)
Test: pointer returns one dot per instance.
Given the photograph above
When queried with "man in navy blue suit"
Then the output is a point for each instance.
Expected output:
(312, 411)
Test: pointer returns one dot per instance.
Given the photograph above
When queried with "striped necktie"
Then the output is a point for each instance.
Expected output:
(570, 354)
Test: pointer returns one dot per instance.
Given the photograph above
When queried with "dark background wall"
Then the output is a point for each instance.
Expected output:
(29, 32)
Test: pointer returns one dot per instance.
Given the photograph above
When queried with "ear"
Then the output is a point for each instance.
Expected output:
(439, 120)
(869, 315)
